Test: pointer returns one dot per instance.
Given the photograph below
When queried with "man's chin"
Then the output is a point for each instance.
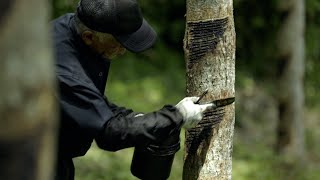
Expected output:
(107, 56)
(113, 56)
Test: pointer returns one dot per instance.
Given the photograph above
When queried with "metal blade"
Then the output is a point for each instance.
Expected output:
(223, 102)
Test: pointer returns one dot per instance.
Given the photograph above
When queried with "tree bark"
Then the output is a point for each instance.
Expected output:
(209, 46)
(27, 108)
(291, 49)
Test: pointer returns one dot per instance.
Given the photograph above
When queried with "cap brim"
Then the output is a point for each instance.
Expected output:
(140, 40)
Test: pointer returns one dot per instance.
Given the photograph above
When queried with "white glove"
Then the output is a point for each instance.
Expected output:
(192, 113)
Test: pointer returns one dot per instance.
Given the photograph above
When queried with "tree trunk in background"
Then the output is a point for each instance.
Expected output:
(209, 46)
(27, 108)
(291, 73)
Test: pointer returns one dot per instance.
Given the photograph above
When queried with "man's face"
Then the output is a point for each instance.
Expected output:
(106, 45)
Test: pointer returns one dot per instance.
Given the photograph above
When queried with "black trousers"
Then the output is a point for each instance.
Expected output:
(64, 170)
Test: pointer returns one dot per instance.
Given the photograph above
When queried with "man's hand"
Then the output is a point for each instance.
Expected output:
(192, 113)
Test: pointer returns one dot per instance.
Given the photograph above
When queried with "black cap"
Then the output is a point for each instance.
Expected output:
(121, 18)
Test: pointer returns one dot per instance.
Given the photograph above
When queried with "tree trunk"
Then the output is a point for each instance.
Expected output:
(209, 46)
(290, 74)
(27, 108)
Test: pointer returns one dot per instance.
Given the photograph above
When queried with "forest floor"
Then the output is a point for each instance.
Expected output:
(253, 159)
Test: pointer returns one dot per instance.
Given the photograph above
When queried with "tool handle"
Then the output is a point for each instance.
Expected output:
(201, 97)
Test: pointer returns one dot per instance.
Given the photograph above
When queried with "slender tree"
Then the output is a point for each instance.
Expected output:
(209, 46)
(291, 49)
(27, 110)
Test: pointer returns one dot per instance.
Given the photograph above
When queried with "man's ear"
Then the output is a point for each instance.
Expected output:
(87, 37)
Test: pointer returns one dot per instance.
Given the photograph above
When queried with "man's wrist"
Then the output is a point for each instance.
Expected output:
(179, 116)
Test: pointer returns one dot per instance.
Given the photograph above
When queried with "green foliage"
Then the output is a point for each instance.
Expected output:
(312, 52)
(256, 28)
(147, 81)
(60, 7)
(259, 162)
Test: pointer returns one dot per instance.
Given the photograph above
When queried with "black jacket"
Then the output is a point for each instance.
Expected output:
(85, 113)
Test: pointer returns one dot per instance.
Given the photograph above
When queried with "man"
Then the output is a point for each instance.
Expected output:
(85, 43)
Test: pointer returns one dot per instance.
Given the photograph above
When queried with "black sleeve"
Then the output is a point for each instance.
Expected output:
(111, 126)
(120, 110)
(123, 131)
(83, 105)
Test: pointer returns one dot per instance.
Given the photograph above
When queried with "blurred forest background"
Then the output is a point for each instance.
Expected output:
(147, 81)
